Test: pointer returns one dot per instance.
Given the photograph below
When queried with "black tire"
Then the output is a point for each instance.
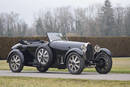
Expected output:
(45, 58)
(16, 62)
(104, 63)
(41, 69)
(73, 64)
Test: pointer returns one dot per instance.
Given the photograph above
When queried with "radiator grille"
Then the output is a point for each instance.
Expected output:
(90, 52)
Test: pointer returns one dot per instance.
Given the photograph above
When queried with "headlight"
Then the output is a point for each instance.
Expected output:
(97, 48)
(83, 47)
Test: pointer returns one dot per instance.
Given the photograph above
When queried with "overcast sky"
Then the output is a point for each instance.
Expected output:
(28, 8)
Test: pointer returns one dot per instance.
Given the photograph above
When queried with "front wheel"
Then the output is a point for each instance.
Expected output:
(75, 63)
(104, 63)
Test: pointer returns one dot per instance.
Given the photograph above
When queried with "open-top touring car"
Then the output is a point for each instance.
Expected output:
(59, 53)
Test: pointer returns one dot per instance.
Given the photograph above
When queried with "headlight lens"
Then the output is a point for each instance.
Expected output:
(97, 48)
(84, 48)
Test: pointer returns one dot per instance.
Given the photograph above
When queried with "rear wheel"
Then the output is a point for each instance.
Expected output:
(15, 62)
(41, 69)
(104, 63)
(75, 63)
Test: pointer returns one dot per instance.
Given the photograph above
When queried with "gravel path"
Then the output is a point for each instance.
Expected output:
(84, 75)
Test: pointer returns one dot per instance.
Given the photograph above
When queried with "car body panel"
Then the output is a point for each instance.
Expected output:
(65, 45)
(15, 51)
(107, 51)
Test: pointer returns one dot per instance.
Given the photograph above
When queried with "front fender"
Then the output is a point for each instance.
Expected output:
(77, 50)
(106, 51)
(15, 51)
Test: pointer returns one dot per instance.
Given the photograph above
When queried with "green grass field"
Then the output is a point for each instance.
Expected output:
(120, 65)
(46, 82)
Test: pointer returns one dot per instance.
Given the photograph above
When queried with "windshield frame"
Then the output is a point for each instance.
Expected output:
(55, 36)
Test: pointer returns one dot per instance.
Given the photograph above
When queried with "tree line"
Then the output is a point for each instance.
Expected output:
(91, 21)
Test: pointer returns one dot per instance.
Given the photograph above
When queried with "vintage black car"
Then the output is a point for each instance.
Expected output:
(59, 53)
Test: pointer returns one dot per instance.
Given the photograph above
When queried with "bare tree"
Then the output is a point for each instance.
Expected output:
(91, 21)
(11, 25)
(44, 23)
(127, 22)
(64, 19)
(1, 26)
(119, 18)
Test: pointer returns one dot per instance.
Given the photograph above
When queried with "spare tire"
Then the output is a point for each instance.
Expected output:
(44, 56)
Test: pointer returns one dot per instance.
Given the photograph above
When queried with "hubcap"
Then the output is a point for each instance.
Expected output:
(104, 63)
(43, 56)
(15, 62)
(74, 63)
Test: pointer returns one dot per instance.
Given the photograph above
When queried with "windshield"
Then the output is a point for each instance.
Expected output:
(55, 36)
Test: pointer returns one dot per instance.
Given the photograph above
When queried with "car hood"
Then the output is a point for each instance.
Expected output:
(65, 45)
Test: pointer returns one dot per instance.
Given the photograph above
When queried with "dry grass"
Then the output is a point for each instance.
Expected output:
(46, 82)
(120, 65)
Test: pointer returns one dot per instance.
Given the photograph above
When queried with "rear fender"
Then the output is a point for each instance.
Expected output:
(16, 51)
